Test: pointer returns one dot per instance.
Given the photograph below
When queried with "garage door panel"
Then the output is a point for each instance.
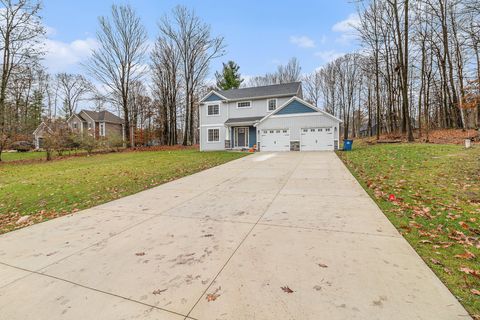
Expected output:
(316, 139)
(275, 140)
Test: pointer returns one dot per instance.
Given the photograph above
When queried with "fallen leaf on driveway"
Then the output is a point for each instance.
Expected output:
(158, 291)
(286, 289)
(213, 296)
(140, 254)
(321, 265)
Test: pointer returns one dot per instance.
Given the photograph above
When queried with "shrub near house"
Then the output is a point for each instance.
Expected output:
(103, 124)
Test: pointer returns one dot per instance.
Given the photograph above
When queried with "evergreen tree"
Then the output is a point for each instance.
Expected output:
(230, 78)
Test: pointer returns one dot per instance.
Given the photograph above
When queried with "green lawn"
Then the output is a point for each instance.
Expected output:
(35, 155)
(48, 189)
(17, 156)
(436, 205)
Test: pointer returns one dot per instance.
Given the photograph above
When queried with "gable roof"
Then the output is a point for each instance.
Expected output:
(102, 116)
(314, 110)
(274, 90)
(40, 127)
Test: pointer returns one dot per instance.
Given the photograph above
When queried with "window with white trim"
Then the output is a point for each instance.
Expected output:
(75, 126)
(272, 104)
(213, 110)
(244, 104)
(213, 135)
(102, 129)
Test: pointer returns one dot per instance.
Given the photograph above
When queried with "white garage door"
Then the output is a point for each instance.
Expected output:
(316, 139)
(275, 140)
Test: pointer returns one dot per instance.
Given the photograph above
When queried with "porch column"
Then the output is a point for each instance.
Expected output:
(228, 141)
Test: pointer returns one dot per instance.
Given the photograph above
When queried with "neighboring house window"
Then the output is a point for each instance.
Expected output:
(102, 129)
(272, 104)
(214, 135)
(74, 125)
(244, 104)
(89, 125)
(213, 110)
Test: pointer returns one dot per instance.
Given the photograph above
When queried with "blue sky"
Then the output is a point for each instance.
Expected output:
(259, 34)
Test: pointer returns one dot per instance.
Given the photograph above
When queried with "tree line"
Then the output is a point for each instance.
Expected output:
(156, 91)
(418, 69)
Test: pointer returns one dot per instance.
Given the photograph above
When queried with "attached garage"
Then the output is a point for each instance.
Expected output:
(275, 139)
(298, 126)
(317, 139)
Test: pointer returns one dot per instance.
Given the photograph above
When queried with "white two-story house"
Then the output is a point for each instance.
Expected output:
(268, 118)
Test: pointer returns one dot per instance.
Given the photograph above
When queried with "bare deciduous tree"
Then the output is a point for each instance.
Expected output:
(119, 60)
(197, 48)
(21, 31)
(166, 85)
(73, 88)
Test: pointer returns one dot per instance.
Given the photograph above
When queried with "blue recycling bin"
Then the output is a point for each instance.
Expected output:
(347, 145)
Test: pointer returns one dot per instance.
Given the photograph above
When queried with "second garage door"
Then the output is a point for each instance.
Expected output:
(316, 139)
(275, 140)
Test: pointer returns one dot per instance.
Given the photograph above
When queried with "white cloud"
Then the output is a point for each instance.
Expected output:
(302, 41)
(328, 55)
(63, 56)
(347, 29)
(347, 25)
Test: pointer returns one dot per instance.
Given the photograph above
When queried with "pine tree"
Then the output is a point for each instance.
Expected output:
(230, 78)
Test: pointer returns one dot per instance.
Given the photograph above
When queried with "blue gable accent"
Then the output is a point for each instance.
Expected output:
(213, 97)
(295, 107)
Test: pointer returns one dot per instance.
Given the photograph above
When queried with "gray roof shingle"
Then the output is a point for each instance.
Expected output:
(241, 120)
(284, 89)
(106, 116)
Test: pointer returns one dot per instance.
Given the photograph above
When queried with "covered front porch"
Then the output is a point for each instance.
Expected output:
(241, 133)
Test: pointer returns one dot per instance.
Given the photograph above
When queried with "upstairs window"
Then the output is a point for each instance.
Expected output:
(272, 104)
(75, 126)
(213, 110)
(244, 104)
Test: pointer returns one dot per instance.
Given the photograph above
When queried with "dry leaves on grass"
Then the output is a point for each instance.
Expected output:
(475, 273)
(475, 292)
(467, 255)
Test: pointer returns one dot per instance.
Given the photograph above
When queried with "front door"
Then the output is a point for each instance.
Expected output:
(241, 135)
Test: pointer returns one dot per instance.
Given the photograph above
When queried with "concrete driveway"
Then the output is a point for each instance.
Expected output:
(270, 236)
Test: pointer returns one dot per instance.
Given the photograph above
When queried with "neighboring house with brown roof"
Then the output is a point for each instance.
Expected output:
(99, 124)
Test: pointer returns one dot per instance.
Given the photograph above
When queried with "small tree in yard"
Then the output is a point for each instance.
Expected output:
(115, 142)
(57, 138)
(230, 77)
(88, 143)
